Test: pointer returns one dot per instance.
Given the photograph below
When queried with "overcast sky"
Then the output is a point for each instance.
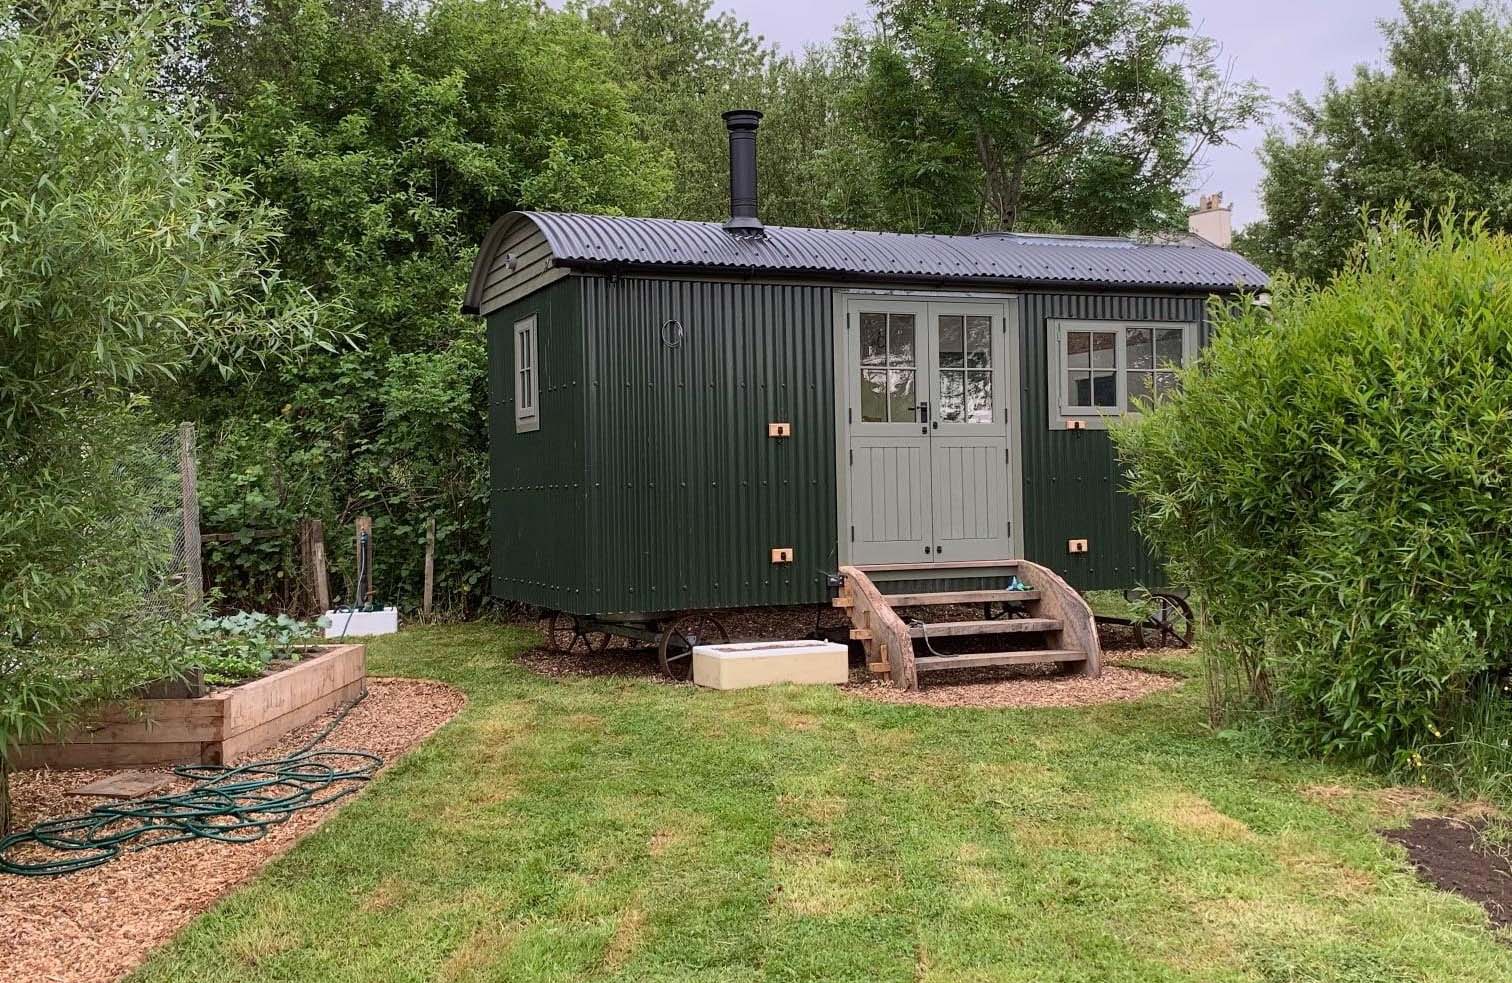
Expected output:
(1287, 45)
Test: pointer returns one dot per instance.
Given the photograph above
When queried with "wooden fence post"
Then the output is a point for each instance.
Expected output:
(364, 592)
(430, 568)
(194, 583)
(312, 559)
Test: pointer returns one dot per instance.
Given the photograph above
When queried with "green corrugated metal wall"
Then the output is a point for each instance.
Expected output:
(1071, 479)
(653, 486)
(537, 497)
(688, 494)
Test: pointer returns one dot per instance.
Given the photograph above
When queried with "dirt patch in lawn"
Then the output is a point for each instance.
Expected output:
(1454, 855)
(1016, 687)
(97, 924)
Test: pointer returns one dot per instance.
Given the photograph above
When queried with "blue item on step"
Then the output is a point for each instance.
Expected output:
(1015, 584)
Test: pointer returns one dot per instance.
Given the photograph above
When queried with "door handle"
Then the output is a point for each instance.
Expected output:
(924, 412)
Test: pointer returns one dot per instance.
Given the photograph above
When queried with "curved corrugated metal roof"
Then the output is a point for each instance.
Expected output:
(609, 241)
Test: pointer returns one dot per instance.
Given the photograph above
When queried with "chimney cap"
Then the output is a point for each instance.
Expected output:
(741, 119)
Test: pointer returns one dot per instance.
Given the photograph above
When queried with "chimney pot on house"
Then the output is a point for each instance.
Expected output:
(1213, 220)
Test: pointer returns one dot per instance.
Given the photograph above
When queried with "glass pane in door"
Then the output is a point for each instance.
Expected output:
(964, 392)
(889, 346)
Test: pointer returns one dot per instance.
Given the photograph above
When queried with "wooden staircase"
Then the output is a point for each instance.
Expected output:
(1049, 622)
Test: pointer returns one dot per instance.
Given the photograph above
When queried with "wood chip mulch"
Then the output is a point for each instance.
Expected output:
(98, 924)
(1017, 687)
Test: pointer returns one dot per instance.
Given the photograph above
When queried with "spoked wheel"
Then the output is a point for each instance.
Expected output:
(1171, 623)
(566, 635)
(676, 648)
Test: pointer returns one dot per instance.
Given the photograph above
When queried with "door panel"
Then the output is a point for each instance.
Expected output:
(926, 430)
(890, 508)
(888, 373)
(969, 433)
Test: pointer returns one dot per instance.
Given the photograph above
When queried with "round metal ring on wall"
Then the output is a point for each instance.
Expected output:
(672, 333)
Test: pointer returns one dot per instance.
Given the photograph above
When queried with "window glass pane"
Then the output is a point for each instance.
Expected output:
(1078, 348)
(1168, 347)
(1141, 350)
(952, 399)
(1139, 388)
(900, 395)
(979, 397)
(1165, 384)
(952, 342)
(1105, 389)
(873, 339)
(873, 395)
(900, 339)
(1079, 387)
(1104, 350)
(979, 341)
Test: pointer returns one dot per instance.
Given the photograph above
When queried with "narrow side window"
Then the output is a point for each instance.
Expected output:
(527, 384)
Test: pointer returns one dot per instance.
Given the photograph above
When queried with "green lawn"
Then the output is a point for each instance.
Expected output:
(597, 829)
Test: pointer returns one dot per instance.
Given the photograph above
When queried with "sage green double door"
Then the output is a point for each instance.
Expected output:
(927, 430)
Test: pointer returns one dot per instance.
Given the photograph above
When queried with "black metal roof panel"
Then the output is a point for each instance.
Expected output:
(609, 241)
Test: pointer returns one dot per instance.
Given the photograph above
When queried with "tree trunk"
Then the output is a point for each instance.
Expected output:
(1005, 187)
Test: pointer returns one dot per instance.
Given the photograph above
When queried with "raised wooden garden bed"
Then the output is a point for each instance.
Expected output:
(211, 729)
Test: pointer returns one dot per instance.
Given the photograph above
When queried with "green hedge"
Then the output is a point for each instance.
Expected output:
(1334, 483)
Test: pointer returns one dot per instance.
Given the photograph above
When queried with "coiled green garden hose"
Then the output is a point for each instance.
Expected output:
(230, 804)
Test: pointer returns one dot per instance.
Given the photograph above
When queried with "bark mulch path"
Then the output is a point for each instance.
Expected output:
(993, 687)
(1017, 687)
(1451, 855)
(98, 924)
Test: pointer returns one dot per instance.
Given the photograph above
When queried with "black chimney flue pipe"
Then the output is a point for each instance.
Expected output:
(741, 124)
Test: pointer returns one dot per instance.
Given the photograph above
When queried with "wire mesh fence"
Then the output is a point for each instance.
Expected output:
(154, 525)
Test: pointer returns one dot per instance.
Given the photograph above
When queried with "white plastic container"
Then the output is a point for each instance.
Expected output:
(737, 665)
(382, 622)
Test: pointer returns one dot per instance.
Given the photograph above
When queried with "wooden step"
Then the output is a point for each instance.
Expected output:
(940, 566)
(933, 663)
(958, 597)
(1000, 626)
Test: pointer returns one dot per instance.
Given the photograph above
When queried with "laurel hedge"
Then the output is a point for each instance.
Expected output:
(1334, 483)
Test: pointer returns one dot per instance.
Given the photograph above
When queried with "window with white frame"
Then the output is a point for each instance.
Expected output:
(527, 383)
(1107, 368)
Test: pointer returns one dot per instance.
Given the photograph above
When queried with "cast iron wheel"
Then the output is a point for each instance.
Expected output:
(1170, 624)
(565, 635)
(676, 648)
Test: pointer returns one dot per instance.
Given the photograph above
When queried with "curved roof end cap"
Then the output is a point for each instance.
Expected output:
(472, 302)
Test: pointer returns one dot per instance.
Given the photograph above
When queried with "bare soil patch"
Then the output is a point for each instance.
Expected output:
(98, 924)
(1453, 855)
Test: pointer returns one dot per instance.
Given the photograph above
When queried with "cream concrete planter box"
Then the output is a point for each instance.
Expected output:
(738, 665)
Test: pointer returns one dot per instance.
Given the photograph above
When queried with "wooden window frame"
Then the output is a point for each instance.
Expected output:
(1058, 391)
(527, 375)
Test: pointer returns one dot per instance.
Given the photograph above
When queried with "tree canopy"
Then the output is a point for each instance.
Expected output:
(130, 258)
(1433, 125)
(1080, 117)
